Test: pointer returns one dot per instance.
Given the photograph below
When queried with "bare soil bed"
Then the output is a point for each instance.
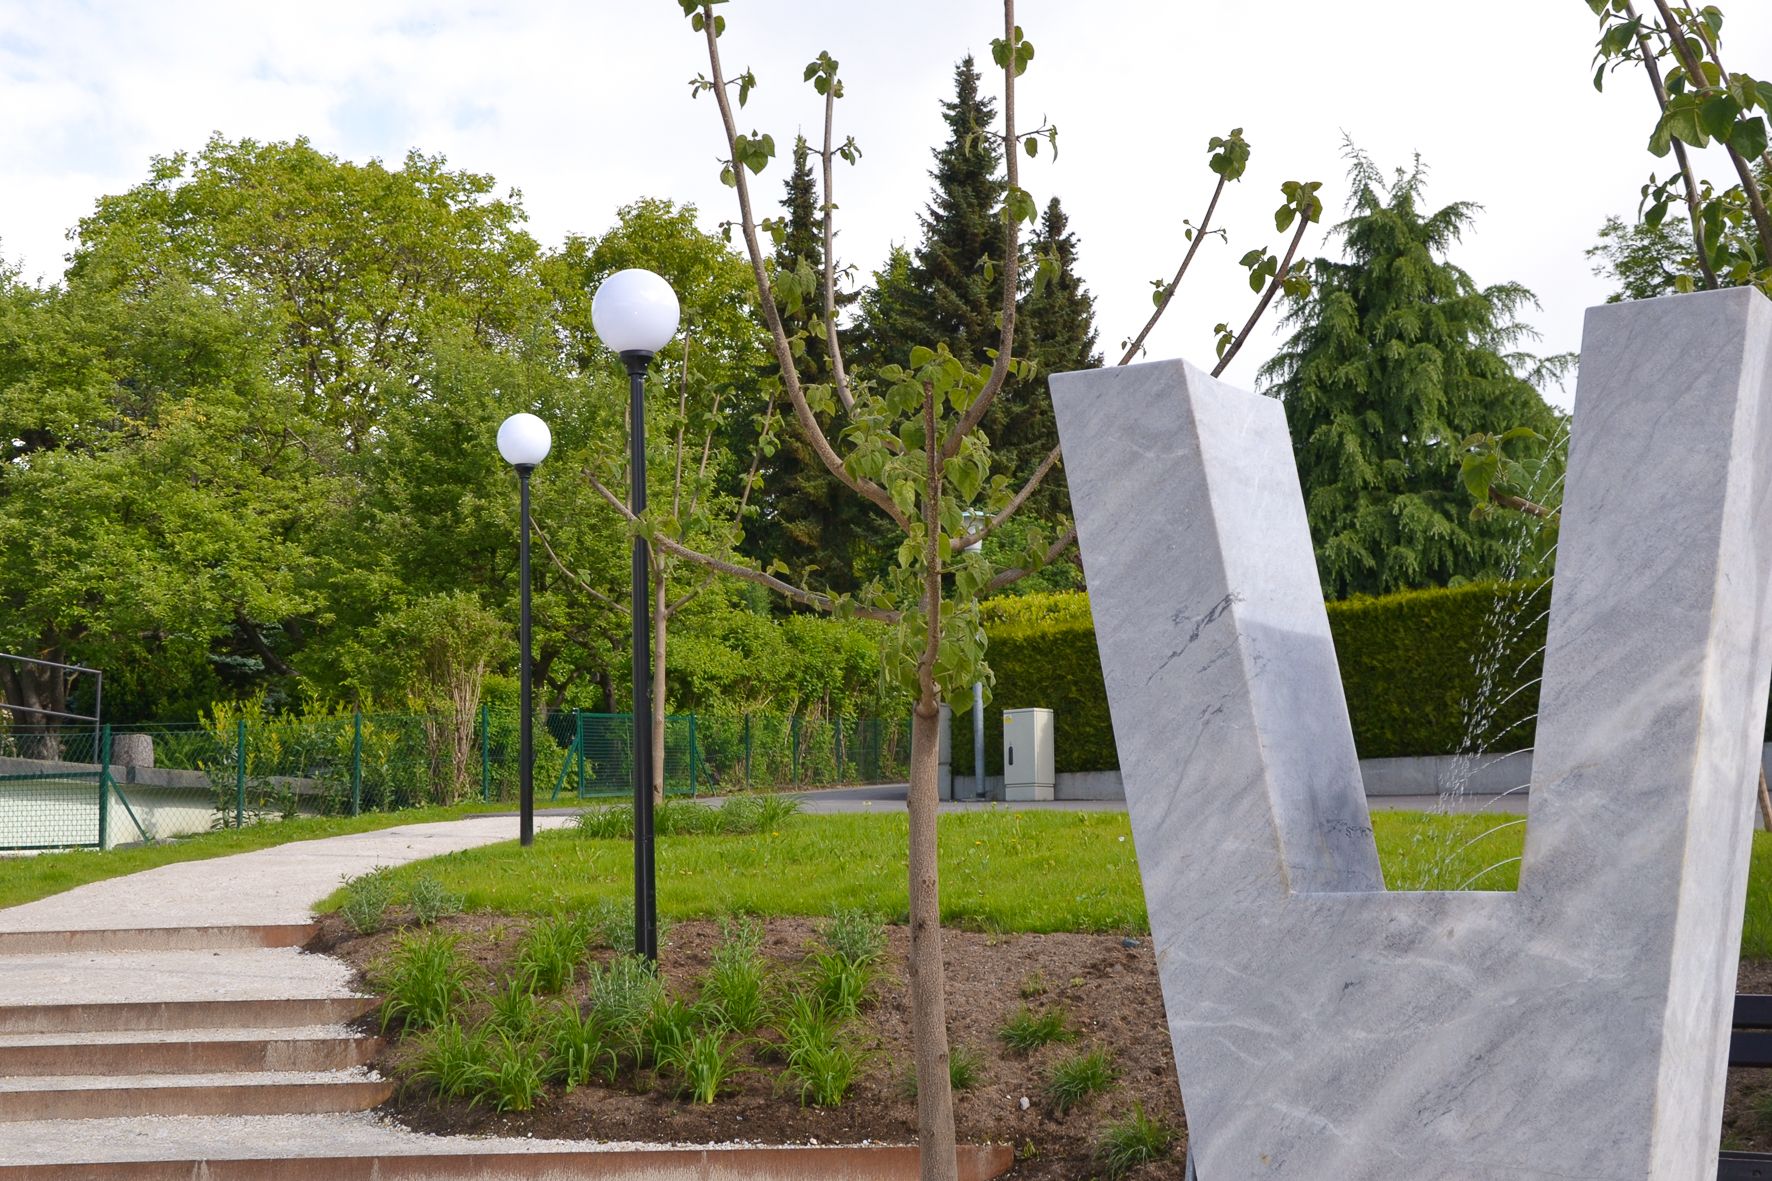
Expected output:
(1106, 986)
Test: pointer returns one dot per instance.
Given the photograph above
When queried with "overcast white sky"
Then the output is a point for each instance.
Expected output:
(583, 107)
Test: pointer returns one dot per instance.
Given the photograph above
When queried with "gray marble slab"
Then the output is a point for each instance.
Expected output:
(1324, 1027)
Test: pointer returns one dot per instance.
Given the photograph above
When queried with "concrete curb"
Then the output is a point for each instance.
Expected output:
(188, 1057)
(157, 939)
(977, 1163)
(237, 1014)
(203, 1099)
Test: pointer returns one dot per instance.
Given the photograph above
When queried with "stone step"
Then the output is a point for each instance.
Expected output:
(863, 1163)
(260, 1013)
(156, 939)
(187, 1055)
(101, 977)
(77, 1097)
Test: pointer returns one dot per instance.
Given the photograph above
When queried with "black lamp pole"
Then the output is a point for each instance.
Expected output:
(645, 876)
(525, 726)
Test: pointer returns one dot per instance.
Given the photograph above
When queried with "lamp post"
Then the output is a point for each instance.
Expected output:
(524, 441)
(635, 314)
(974, 519)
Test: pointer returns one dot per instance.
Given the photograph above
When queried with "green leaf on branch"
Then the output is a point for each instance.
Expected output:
(1229, 154)
(1749, 137)
(1020, 51)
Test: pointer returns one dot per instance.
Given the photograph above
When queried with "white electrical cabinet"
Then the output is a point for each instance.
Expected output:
(1028, 765)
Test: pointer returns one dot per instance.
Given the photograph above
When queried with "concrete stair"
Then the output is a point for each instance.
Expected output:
(179, 1021)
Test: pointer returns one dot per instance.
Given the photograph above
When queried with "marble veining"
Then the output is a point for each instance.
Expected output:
(1325, 1027)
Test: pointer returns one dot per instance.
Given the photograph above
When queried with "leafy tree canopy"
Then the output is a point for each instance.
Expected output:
(1395, 359)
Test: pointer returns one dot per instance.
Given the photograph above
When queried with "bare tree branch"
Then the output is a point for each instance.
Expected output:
(785, 589)
(839, 377)
(1267, 297)
(1008, 577)
(1010, 509)
(586, 587)
(1750, 184)
(784, 354)
(1653, 66)
(1181, 272)
(1522, 505)
(1011, 255)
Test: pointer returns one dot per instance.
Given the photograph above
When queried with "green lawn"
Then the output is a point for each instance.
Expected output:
(1001, 870)
(27, 878)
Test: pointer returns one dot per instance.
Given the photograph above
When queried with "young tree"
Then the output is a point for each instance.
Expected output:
(714, 410)
(913, 449)
(1058, 324)
(1397, 358)
(806, 520)
(1703, 104)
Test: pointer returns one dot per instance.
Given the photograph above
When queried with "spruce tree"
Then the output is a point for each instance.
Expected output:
(807, 520)
(1397, 357)
(954, 301)
(1057, 320)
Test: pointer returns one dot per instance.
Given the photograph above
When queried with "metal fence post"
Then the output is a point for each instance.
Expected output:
(104, 788)
(240, 773)
(485, 753)
(837, 738)
(693, 759)
(578, 743)
(794, 749)
(356, 762)
(747, 752)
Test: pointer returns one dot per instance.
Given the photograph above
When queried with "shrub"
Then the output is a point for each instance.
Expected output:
(666, 1029)
(1413, 668)
(551, 953)
(965, 1067)
(451, 1059)
(612, 923)
(965, 1070)
(737, 980)
(430, 901)
(840, 983)
(515, 1010)
(423, 981)
(1072, 1080)
(1134, 1140)
(703, 1063)
(821, 1063)
(366, 901)
(857, 936)
(1028, 1031)
(759, 813)
(615, 822)
(512, 1075)
(624, 993)
(581, 1046)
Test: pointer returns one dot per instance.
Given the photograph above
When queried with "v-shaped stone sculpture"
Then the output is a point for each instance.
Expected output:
(1323, 1027)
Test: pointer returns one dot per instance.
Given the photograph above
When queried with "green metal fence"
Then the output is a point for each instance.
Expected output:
(74, 788)
(58, 791)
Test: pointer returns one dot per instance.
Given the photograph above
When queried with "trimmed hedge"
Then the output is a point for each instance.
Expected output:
(1409, 665)
(1042, 651)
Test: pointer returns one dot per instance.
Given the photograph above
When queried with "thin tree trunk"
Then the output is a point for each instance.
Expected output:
(660, 626)
(929, 1024)
(928, 970)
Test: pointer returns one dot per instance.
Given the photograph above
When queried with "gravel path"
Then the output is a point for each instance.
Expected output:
(276, 885)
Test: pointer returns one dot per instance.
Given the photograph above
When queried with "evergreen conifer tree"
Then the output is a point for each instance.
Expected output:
(1397, 357)
(1057, 320)
(954, 301)
(807, 520)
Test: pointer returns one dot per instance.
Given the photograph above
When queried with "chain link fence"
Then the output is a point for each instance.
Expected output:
(107, 786)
